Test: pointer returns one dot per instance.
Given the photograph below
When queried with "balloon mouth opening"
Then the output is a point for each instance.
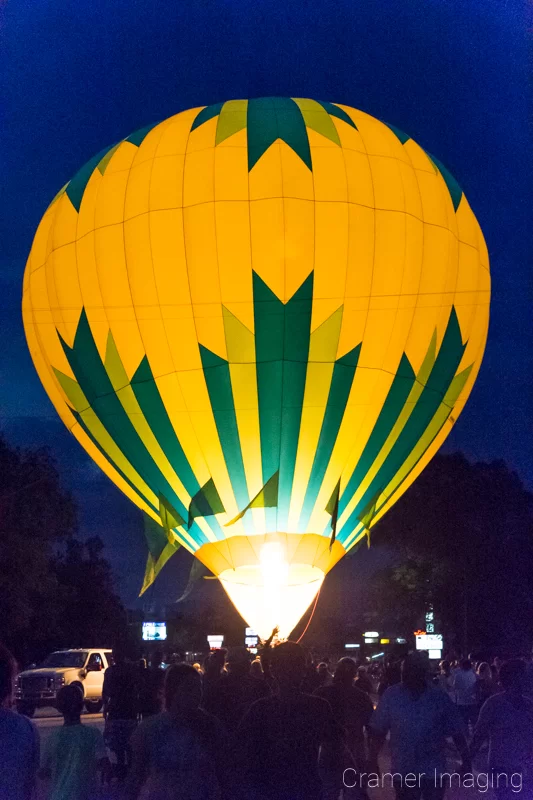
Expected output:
(272, 593)
(272, 578)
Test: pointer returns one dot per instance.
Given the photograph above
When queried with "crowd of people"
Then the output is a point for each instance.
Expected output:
(276, 728)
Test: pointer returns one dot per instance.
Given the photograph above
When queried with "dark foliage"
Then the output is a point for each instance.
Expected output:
(55, 591)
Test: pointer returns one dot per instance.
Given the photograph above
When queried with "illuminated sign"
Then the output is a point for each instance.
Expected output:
(251, 639)
(371, 634)
(384, 641)
(437, 654)
(154, 631)
(371, 639)
(216, 641)
(426, 641)
(351, 646)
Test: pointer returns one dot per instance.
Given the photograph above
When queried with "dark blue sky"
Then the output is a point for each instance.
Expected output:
(452, 73)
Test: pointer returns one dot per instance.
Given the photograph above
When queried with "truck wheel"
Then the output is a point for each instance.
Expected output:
(93, 706)
(25, 708)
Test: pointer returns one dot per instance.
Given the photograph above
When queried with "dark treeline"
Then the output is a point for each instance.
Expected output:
(462, 538)
(55, 590)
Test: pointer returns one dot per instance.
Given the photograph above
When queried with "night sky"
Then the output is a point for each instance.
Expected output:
(452, 73)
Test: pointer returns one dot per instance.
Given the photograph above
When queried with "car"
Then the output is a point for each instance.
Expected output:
(85, 667)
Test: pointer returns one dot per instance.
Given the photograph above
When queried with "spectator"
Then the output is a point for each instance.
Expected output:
(214, 667)
(464, 688)
(362, 681)
(419, 717)
(233, 693)
(506, 721)
(74, 754)
(121, 708)
(181, 753)
(445, 678)
(19, 742)
(324, 675)
(485, 687)
(352, 708)
(151, 687)
(280, 737)
(391, 676)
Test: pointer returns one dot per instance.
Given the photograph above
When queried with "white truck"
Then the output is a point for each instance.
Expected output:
(38, 687)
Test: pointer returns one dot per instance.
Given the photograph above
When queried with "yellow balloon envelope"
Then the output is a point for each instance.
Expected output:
(261, 319)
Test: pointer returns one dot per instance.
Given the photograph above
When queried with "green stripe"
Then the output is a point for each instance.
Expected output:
(206, 114)
(403, 137)
(76, 187)
(138, 137)
(218, 380)
(297, 333)
(341, 384)
(391, 410)
(95, 383)
(271, 118)
(269, 317)
(454, 189)
(317, 118)
(335, 111)
(145, 390)
(442, 374)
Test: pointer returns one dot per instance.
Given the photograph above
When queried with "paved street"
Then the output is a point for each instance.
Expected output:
(48, 719)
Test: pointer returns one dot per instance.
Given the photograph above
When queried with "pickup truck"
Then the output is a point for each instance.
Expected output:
(38, 687)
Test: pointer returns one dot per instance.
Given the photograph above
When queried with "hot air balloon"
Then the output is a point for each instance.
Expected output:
(261, 319)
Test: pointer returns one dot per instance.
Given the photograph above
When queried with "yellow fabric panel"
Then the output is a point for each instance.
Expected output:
(201, 253)
(360, 251)
(433, 193)
(403, 319)
(111, 267)
(379, 140)
(466, 224)
(65, 223)
(149, 145)
(235, 259)
(38, 250)
(138, 189)
(332, 222)
(198, 177)
(329, 175)
(166, 183)
(203, 137)
(350, 138)
(122, 158)
(418, 157)
(359, 177)
(414, 250)
(317, 140)
(90, 291)
(411, 191)
(244, 387)
(183, 341)
(389, 253)
(354, 321)
(299, 220)
(154, 336)
(210, 331)
(297, 180)
(67, 287)
(140, 272)
(315, 399)
(111, 197)
(175, 135)
(87, 212)
(387, 182)
(167, 247)
(325, 339)
(240, 341)
(268, 251)
(231, 173)
(265, 178)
